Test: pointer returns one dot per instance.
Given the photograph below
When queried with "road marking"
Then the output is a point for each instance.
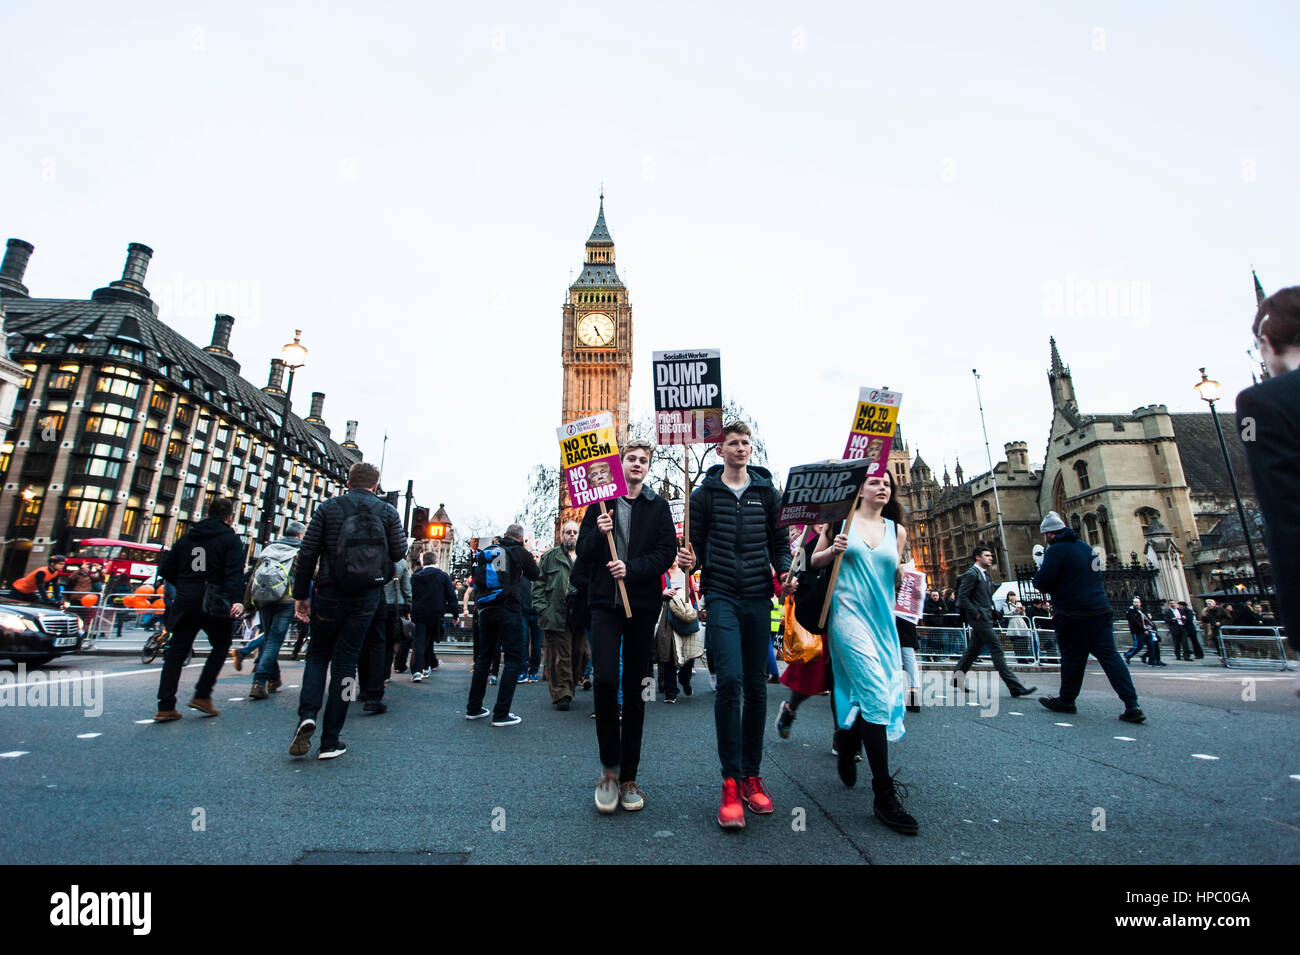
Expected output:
(1014, 713)
(1296, 777)
(96, 676)
(14, 755)
(1203, 756)
(1064, 724)
(235, 699)
(1127, 739)
(88, 735)
(143, 722)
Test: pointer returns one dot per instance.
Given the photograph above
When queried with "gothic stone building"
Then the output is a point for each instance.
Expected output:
(1119, 480)
(123, 429)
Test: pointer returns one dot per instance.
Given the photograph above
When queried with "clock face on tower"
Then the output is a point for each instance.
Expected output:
(595, 330)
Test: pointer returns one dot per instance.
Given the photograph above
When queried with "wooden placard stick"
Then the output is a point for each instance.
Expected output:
(622, 587)
(686, 515)
(835, 570)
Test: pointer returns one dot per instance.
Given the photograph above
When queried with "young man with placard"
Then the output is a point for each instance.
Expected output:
(734, 535)
(625, 597)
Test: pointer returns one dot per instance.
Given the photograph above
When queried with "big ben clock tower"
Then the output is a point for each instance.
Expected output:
(596, 341)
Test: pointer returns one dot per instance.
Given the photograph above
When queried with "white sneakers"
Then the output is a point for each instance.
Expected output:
(607, 793)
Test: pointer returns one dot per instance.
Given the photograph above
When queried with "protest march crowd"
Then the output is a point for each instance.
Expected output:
(629, 590)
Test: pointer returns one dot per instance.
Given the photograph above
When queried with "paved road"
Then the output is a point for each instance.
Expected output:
(422, 784)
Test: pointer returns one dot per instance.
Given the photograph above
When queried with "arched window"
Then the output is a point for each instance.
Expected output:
(1058, 494)
(1076, 524)
(988, 516)
(1081, 470)
(1094, 535)
(1147, 516)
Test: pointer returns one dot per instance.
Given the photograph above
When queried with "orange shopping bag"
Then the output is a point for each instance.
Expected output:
(799, 646)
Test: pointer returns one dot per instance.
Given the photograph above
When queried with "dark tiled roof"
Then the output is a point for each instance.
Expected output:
(598, 275)
(600, 234)
(1198, 447)
(189, 368)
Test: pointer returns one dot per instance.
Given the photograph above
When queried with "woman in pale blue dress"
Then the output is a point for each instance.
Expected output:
(869, 681)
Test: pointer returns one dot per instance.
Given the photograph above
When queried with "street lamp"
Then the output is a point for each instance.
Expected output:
(295, 356)
(1208, 389)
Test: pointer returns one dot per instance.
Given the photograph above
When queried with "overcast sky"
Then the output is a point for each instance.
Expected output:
(834, 195)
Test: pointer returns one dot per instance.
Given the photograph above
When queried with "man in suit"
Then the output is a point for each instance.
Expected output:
(1189, 629)
(1177, 632)
(975, 601)
(1268, 423)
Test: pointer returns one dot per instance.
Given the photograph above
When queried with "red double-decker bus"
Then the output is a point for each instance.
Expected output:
(140, 561)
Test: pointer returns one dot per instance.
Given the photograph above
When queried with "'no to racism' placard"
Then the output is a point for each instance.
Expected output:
(872, 433)
(688, 396)
(590, 461)
(821, 493)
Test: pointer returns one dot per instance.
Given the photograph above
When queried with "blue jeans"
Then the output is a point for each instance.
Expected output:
(338, 629)
(739, 636)
(275, 624)
(1079, 637)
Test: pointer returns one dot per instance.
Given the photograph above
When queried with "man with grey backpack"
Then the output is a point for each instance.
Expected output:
(270, 590)
(354, 539)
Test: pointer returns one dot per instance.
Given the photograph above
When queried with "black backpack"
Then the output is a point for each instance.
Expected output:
(360, 560)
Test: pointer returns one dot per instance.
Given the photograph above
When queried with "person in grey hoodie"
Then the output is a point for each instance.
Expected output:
(272, 582)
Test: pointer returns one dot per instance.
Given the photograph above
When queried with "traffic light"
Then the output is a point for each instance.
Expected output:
(437, 531)
(420, 523)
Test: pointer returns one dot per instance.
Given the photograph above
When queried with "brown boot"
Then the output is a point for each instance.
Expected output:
(257, 691)
(237, 657)
(273, 686)
(204, 706)
(166, 716)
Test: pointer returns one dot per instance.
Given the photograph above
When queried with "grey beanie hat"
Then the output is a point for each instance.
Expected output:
(1052, 522)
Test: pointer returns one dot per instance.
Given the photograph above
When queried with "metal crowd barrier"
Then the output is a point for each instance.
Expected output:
(1258, 648)
(1035, 645)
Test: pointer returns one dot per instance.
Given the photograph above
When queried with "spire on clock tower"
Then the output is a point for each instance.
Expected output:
(598, 269)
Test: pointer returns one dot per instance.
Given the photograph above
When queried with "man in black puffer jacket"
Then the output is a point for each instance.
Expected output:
(208, 558)
(349, 589)
(1081, 617)
(735, 540)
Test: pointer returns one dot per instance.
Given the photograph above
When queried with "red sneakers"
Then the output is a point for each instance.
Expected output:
(755, 795)
(731, 815)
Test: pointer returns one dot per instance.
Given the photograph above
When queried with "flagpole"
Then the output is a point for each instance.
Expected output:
(997, 504)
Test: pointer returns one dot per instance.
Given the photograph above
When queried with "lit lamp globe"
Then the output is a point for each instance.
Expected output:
(1207, 388)
(295, 355)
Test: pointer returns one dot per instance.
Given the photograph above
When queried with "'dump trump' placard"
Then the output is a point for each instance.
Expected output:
(688, 396)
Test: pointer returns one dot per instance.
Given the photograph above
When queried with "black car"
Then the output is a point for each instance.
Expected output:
(35, 635)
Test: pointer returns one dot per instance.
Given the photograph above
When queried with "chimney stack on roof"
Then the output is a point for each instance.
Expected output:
(275, 380)
(137, 265)
(130, 287)
(220, 347)
(316, 418)
(350, 442)
(17, 252)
